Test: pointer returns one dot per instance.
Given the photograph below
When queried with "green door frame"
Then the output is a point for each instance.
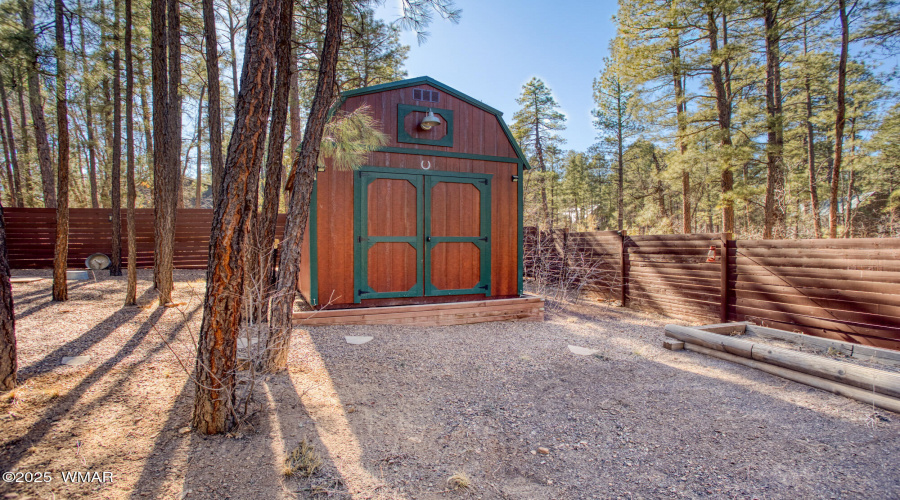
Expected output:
(363, 242)
(423, 181)
(482, 241)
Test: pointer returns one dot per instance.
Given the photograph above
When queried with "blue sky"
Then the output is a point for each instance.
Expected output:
(499, 45)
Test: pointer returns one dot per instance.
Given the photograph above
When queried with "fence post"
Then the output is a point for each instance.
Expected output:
(723, 313)
(623, 269)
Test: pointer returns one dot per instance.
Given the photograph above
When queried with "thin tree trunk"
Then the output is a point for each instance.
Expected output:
(115, 267)
(174, 45)
(723, 112)
(61, 249)
(539, 149)
(839, 118)
(217, 351)
(11, 192)
(214, 105)
(268, 218)
(232, 32)
(8, 361)
(131, 196)
(304, 173)
(620, 197)
(146, 119)
(774, 218)
(198, 194)
(811, 149)
(682, 143)
(89, 116)
(26, 149)
(48, 183)
(10, 144)
(851, 180)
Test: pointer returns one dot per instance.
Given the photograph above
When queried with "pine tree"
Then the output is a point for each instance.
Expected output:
(534, 126)
(615, 120)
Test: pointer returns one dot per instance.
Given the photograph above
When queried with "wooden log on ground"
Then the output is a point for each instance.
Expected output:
(868, 397)
(710, 340)
(871, 379)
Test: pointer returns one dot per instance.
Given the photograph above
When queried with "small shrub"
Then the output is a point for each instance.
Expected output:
(303, 461)
(459, 481)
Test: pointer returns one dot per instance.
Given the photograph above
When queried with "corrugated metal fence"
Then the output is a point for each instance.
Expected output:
(31, 233)
(846, 289)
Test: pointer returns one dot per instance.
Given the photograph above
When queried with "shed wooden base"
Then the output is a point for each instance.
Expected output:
(455, 313)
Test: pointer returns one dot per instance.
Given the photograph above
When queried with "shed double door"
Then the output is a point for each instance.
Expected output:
(421, 233)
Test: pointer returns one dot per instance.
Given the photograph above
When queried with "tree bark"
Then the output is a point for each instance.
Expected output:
(774, 218)
(10, 144)
(723, 114)
(8, 361)
(11, 192)
(214, 106)
(115, 267)
(61, 248)
(839, 119)
(166, 157)
(217, 351)
(304, 173)
(48, 184)
(131, 196)
(268, 218)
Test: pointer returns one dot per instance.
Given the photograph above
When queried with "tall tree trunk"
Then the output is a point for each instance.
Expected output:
(89, 115)
(115, 267)
(811, 148)
(166, 157)
(146, 120)
(839, 118)
(232, 33)
(774, 219)
(296, 120)
(15, 184)
(620, 196)
(268, 218)
(304, 168)
(37, 106)
(198, 193)
(214, 106)
(851, 180)
(174, 45)
(8, 361)
(723, 113)
(26, 149)
(539, 150)
(131, 196)
(217, 351)
(61, 249)
(681, 119)
(11, 192)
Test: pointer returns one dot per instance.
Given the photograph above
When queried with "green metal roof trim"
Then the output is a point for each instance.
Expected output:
(445, 88)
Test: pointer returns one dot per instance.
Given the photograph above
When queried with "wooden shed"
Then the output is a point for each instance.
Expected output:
(433, 217)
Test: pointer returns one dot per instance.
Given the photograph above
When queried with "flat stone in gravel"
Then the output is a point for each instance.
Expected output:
(582, 351)
(357, 340)
(75, 360)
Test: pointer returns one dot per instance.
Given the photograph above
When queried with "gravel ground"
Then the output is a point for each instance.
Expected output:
(506, 404)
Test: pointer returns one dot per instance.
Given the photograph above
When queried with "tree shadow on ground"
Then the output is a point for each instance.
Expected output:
(14, 449)
(85, 341)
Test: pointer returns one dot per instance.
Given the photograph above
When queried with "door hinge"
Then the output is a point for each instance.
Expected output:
(484, 239)
(361, 292)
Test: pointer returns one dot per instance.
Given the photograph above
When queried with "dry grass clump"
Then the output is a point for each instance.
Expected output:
(459, 481)
(303, 461)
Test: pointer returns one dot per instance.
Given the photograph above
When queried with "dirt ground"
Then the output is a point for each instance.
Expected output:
(398, 416)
